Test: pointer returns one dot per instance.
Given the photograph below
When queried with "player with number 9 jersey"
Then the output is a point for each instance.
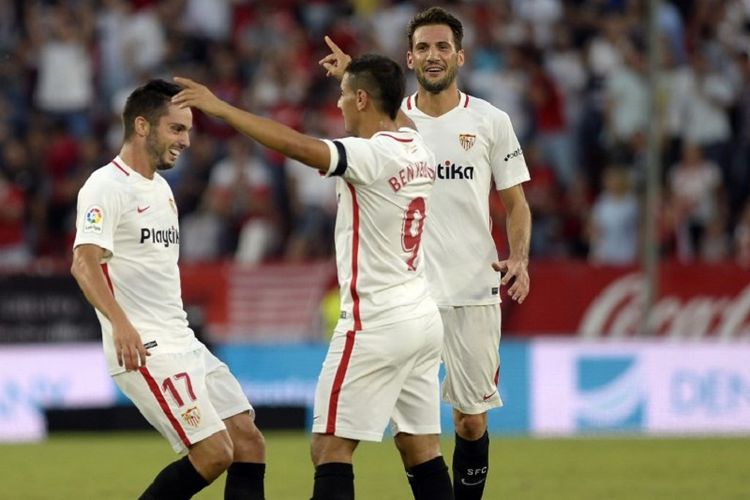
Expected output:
(382, 190)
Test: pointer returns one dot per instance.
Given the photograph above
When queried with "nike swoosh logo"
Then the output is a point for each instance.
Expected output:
(467, 483)
(141, 210)
(485, 398)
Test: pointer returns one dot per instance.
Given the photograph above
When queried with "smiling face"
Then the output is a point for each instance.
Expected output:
(169, 137)
(434, 58)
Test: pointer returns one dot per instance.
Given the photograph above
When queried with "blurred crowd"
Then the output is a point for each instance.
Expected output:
(572, 75)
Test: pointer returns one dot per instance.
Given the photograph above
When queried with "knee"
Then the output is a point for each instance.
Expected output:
(250, 446)
(212, 456)
(248, 441)
(222, 456)
(316, 449)
(325, 448)
(417, 449)
(470, 427)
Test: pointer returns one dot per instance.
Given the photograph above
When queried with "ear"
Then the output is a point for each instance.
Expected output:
(142, 126)
(409, 60)
(460, 58)
(362, 99)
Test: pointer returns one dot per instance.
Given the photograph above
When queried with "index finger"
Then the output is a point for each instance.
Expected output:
(331, 45)
(142, 355)
(185, 82)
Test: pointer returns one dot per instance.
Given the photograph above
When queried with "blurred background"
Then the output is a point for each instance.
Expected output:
(639, 314)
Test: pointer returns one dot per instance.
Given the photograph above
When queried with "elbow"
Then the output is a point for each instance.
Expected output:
(78, 267)
(75, 268)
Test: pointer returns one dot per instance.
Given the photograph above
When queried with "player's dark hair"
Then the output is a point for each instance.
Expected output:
(149, 101)
(436, 15)
(382, 78)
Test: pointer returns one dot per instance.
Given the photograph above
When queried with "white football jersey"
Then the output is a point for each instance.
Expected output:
(473, 143)
(134, 220)
(382, 190)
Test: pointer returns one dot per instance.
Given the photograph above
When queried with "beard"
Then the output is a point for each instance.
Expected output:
(437, 86)
(157, 151)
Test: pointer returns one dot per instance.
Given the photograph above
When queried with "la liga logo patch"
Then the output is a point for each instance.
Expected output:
(93, 220)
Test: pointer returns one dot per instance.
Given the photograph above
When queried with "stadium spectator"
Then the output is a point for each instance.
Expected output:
(313, 203)
(240, 186)
(125, 261)
(552, 134)
(13, 248)
(626, 103)
(703, 97)
(695, 186)
(65, 82)
(614, 223)
(391, 372)
(742, 238)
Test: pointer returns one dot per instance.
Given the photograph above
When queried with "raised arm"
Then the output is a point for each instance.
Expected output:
(287, 141)
(336, 62)
(87, 270)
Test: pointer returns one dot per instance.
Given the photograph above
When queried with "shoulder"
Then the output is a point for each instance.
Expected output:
(162, 182)
(107, 177)
(482, 108)
(106, 184)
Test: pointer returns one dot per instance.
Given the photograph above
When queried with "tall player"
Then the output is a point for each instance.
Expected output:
(474, 144)
(125, 261)
(382, 363)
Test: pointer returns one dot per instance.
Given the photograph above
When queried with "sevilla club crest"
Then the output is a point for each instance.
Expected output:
(467, 140)
(192, 416)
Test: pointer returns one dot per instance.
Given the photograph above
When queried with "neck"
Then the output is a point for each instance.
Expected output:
(440, 103)
(137, 159)
(378, 123)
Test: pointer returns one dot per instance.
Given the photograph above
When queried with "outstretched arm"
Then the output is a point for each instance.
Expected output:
(271, 134)
(515, 267)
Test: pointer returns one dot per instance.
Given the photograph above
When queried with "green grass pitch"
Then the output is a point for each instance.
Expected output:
(119, 466)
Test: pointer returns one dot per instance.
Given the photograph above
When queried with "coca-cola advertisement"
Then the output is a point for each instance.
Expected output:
(693, 301)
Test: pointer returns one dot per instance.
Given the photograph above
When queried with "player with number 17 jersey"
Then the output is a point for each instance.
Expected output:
(382, 191)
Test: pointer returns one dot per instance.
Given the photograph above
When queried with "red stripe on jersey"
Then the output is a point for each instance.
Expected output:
(396, 138)
(105, 270)
(164, 406)
(355, 258)
(338, 381)
(120, 167)
(408, 103)
(466, 104)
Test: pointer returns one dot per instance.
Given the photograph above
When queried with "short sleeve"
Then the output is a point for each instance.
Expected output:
(354, 159)
(508, 165)
(97, 215)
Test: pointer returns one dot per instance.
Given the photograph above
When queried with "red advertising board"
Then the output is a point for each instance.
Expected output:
(577, 298)
(567, 298)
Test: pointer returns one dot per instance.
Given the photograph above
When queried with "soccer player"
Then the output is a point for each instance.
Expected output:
(125, 261)
(382, 363)
(474, 144)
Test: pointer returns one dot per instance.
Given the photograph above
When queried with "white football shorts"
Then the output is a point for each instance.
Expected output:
(185, 396)
(375, 375)
(471, 353)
